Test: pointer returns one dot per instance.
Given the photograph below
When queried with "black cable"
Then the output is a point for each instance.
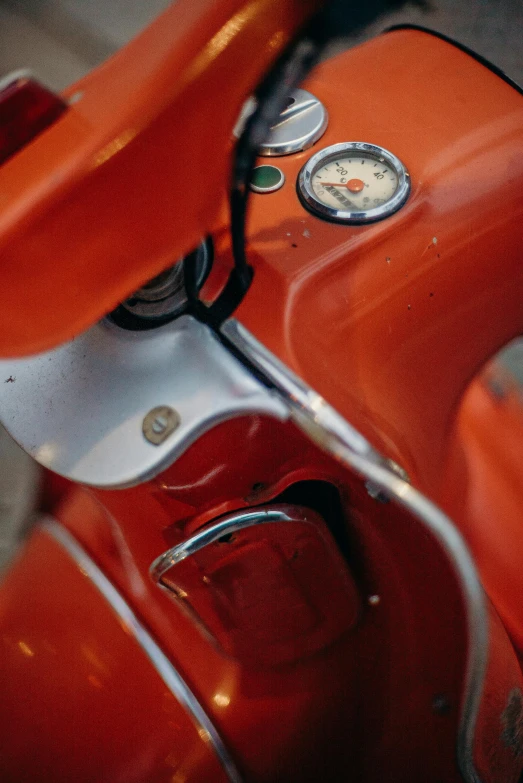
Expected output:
(339, 18)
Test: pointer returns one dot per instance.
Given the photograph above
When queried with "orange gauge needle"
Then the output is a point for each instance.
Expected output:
(354, 185)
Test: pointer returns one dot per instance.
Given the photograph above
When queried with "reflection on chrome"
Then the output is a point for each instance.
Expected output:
(334, 435)
(129, 621)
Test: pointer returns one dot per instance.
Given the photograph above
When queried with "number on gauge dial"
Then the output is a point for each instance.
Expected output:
(355, 183)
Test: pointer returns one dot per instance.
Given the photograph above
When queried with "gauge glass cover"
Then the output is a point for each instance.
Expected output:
(354, 182)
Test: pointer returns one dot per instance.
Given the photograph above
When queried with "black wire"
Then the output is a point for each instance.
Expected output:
(339, 18)
(271, 97)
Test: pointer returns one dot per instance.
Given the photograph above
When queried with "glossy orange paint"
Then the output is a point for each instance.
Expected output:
(268, 715)
(391, 321)
(484, 488)
(384, 697)
(351, 311)
(272, 594)
(358, 708)
(80, 700)
(100, 202)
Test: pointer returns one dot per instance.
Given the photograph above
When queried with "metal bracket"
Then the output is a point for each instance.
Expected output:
(80, 409)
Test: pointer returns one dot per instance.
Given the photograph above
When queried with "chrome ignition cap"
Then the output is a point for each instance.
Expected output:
(303, 121)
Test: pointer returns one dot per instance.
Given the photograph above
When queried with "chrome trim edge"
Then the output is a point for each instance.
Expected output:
(164, 668)
(329, 430)
(231, 523)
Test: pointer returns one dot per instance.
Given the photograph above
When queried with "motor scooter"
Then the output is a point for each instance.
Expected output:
(245, 303)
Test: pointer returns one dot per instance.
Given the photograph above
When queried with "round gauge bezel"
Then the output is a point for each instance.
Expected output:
(324, 156)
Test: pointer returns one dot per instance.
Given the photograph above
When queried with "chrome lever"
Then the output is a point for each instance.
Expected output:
(270, 596)
(226, 526)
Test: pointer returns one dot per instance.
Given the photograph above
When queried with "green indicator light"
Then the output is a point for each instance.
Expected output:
(266, 176)
(267, 179)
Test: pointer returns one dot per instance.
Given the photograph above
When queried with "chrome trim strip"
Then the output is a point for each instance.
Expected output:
(225, 526)
(323, 425)
(296, 394)
(172, 679)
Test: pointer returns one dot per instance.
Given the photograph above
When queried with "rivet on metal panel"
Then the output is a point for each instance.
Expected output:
(159, 423)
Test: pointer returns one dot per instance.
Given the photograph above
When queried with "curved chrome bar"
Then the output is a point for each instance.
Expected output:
(163, 666)
(325, 427)
(296, 394)
(226, 526)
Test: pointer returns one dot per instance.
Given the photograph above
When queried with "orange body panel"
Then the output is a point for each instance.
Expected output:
(360, 697)
(391, 321)
(118, 188)
(484, 489)
(369, 697)
(80, 701)
(388, 321)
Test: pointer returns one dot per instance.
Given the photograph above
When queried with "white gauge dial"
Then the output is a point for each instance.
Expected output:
(354, 182)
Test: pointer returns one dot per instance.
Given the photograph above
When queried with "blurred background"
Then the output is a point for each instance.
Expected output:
(60, 40)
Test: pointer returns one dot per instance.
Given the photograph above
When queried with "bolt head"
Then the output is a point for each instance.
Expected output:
(159, 424)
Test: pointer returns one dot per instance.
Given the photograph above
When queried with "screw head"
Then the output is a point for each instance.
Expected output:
(159, 424)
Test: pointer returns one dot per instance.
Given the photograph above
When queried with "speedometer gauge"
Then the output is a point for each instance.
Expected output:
(354, 182)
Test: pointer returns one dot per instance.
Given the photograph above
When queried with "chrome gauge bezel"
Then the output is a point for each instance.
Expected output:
(324, 156)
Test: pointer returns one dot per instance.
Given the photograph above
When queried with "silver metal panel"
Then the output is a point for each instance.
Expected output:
(322, 424)
(163, 666)
(79, 409)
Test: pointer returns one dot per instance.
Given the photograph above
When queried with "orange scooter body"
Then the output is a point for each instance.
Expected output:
(390, 322)
(483, 487)
(169, 99)
(80, 699)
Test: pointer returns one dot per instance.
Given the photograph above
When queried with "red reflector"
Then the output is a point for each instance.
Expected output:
(26, 109)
